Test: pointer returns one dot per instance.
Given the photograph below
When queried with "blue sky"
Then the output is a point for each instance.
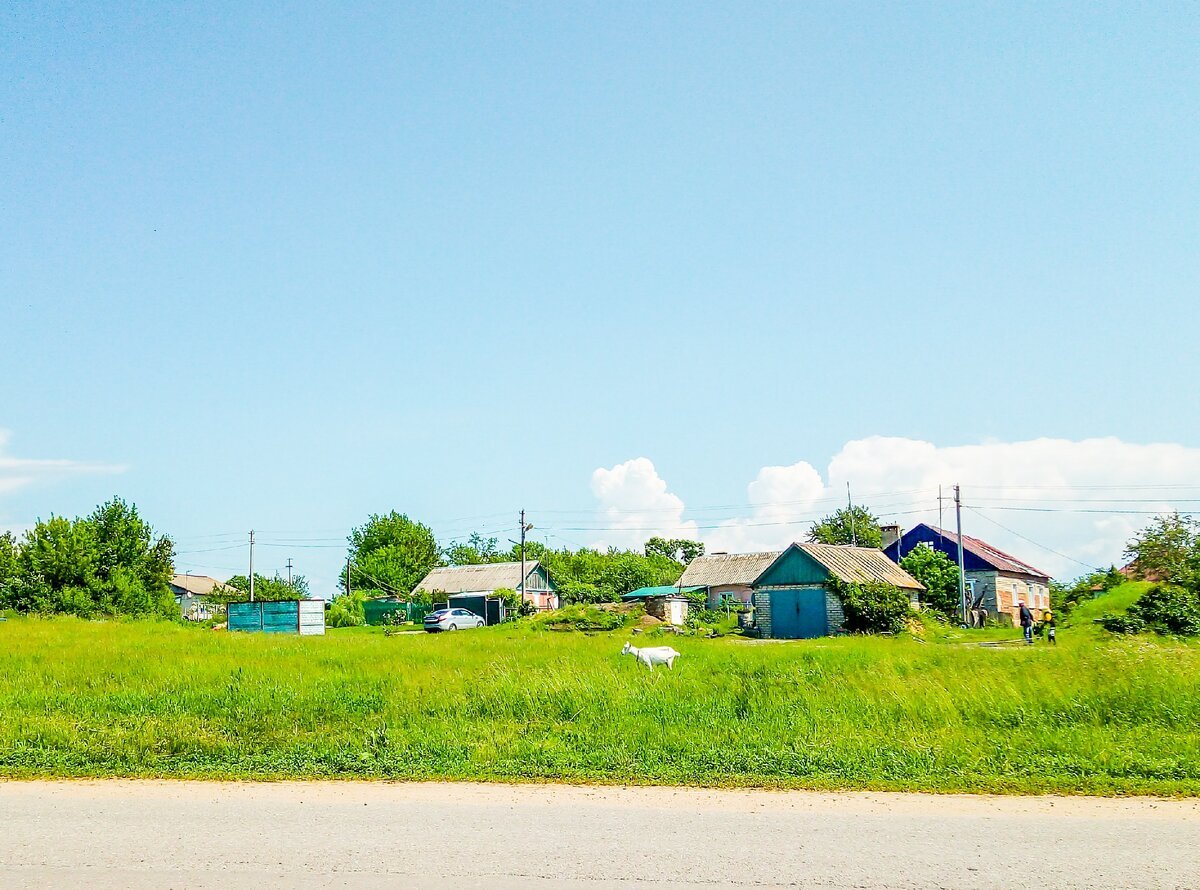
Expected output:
(281, 268)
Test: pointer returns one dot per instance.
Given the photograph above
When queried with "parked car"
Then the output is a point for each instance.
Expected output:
(452, 619)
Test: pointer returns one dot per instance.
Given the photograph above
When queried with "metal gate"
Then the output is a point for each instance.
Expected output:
(799, 613)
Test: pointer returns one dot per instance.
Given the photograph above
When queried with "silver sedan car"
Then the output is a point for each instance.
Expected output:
(452, 619)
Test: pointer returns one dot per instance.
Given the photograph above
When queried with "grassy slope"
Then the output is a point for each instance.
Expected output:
(1117, 601)
(138, 699)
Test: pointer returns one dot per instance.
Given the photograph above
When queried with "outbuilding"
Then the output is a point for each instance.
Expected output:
(669, 604)
(794, 597)
(995, 580)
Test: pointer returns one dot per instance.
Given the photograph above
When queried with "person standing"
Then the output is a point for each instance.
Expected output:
(1026, 623)
(1048, 624)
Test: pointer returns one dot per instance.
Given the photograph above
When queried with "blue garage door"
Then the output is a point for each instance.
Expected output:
(798, 614)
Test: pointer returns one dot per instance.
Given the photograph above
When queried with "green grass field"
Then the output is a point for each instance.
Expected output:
(1096, 714)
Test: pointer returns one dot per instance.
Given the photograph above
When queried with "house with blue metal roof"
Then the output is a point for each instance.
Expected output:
(996, 581)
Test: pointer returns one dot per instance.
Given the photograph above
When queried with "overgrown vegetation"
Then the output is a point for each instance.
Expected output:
(873, 607)
(939, 574)
(1097, 714)
(109, 562)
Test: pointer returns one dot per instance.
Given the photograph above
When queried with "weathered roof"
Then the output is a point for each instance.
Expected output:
(716, 569)
(858, 565)
(994, 557)
(669, 590)
(196, 585)
(470, 579)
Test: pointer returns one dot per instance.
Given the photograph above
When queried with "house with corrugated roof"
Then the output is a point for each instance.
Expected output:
(727, 575)
(794, 597)
(197, 594)
(486, 578)
(996, 581)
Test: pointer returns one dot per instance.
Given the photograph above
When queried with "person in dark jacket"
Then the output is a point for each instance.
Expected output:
(1027, 623)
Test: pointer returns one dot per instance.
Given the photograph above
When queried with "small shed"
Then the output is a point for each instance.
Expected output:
(303, 617)
(794, 597)
(669, 604)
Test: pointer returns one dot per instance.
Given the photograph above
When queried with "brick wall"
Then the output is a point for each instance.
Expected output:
(762, 612)
(833, 613)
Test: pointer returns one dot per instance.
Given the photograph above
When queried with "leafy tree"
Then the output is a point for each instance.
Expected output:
(1168, 550)
(873, 607)
(346, 610)
(266, 589)
(677, 549)
(390, 554)
(939, 574)
(848, 525)
(107, 563)
(476, 551)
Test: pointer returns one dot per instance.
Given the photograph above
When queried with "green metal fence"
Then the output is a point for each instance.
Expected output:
(380, 611)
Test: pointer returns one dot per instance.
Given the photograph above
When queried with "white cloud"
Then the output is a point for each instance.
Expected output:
(1079, 500)
(17, 473)
(635, 505)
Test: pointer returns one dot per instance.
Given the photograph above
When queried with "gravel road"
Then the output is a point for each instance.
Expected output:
(111, 834)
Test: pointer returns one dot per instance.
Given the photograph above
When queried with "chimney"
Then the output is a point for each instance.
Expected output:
(891, 534)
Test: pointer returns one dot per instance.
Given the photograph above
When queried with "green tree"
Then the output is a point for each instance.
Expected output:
(476, 551)
(266, 589)
(848, 525)
(390, 554)
(939, 574)
(677, 549)
(1168, 550)
(108, 563)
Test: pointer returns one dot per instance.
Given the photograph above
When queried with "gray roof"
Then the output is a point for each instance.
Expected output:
(858, 565)
(716, 569)
(473, 579)
(196, 585)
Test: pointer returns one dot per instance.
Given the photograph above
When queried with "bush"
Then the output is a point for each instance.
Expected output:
(345, 611)
(1121, 624)
(579, 617)
(939, 574)
(873, 607)
(1169, 609)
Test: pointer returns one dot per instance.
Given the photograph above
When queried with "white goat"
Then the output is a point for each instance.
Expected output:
(652, 656)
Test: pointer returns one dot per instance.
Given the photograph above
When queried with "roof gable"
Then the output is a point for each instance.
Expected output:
(809, 563)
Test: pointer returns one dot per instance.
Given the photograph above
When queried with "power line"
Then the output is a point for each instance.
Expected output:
(1031, 541)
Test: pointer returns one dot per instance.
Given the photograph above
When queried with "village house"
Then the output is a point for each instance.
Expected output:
(794, 597)
(486, 578)
(726, 575)
(995, 580)
(194, 595)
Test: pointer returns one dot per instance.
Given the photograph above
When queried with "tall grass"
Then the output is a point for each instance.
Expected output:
(143, 699)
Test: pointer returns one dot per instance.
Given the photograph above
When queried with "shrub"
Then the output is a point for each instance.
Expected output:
(1170, 609)
(345, 611)
(873, 607)
(579, 617)
(1121, 624)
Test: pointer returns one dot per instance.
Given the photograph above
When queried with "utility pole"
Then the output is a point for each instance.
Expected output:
(850, 505)
(941, 522)
(962, 578)
(347, 576)
(524, 528)
(289, 568)
(251, 565)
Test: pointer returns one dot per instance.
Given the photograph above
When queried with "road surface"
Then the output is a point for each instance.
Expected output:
(111, 834)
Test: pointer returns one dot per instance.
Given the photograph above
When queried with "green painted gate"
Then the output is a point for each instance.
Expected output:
(799, 613)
